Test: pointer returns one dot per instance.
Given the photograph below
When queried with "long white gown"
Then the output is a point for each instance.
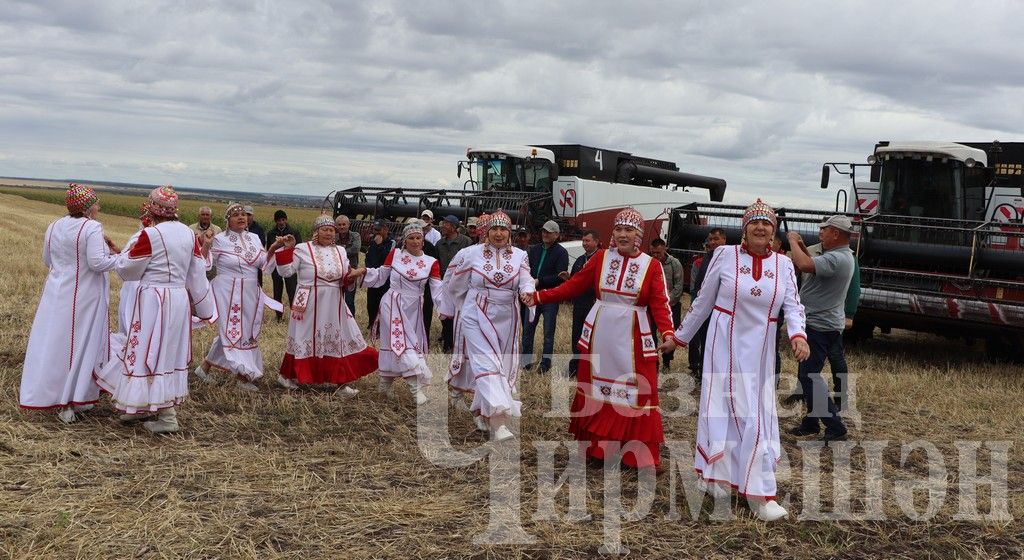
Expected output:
(325, 345)
(481, 289)
(126, 301)
(399, 327)
(70, 332)
(738, 424)
(240, 300)
(149, 371)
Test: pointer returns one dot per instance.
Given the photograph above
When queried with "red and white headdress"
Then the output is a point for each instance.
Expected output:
(163, 202)
(324, 220)
(232, 208)
(499, 219)
(760, 211)
(483, 223)
(79, 198)
(630, 217)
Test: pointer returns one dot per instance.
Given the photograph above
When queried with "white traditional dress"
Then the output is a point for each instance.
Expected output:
(324, 345)
(480, 290)
(403, 339)
(240, 300)
(70, 332)
(617, 378)
(126, 300)
(738, 425)
(149, 371)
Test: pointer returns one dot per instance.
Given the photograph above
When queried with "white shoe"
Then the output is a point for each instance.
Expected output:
(203, 374)
(349, 391)
(82, 407)
(502, 433)
(287, 383)
(714, 489)
(459, 401)
(421, 397)
(767, 510)
(166, 422)
(481, 424)
(67, 415)
(247, 386)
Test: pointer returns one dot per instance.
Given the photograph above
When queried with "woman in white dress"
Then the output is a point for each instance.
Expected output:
(399, 327)
(738, 426)
(238, 255)
(482, 285)
(324, 344)
(70, 333)
(129, 288)
(149, 373)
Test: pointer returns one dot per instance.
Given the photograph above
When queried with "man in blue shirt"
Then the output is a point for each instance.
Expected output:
(548, 260)
(823, 295)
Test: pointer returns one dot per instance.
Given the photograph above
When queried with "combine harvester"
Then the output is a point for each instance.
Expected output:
(577, 186)
(939, 240)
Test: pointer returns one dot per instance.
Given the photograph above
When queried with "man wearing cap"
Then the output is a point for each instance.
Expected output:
(471, 232)
(451, 242)
(522, 239)
(547, 261)
(430, 233)
(282, 229)
(254, 227)
(351, 241)
(376, 253)
(823, 295)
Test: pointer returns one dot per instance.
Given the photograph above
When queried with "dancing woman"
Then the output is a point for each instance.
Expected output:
(399, 326)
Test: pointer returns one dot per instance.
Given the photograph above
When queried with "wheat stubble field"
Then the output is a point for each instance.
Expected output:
(315, 475)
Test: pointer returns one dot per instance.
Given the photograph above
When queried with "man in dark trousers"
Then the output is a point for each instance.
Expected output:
(675, 285)
(547, 259)
(281, 229)
(351, 241)
(255, 227)
(716, 238)
(376, 253)
(581, 304)
(451, 243)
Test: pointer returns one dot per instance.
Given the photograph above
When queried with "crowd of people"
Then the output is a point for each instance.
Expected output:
(490, 293)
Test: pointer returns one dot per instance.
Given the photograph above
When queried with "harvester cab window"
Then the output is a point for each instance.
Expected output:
(490, 174)
(538, 175)
(918, 187)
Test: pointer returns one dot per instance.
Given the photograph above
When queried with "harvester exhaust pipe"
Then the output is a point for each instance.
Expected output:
(630, 172)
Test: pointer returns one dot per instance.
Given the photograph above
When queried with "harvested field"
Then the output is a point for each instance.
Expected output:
(316, 475)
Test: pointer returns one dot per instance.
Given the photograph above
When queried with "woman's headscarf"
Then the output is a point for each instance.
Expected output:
(163, 202)
(79, 198)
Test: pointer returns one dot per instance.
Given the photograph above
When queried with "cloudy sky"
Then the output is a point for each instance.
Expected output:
(304, 97)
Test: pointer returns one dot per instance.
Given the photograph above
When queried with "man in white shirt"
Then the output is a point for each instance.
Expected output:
(430, 233)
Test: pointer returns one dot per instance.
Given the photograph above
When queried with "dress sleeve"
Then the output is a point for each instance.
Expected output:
(131, 264)
(527, 284)
(46, 246)
(199, 287)
(97, 255)
(706, 297)
(455, 283)
(791, 306)
(576, 285)
(377, 277)
(436, 285)
(284, 260)
(657, 301)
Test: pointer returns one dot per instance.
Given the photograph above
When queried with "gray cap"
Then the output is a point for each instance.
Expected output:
(551, 226)
(842, 223)
(248, 210)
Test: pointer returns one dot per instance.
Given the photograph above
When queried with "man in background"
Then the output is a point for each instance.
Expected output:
(471, 230)
(430, 233)
(675, 285)
(581, 304)
(716, 238)
(376, 253)
(254, 227)
(547, 260)
(206, 229)
(451, 243)
(352, 242)
(281, 229)
(522, 239)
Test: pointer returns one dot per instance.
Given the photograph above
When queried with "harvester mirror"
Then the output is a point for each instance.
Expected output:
(458, 171)
(824, 176)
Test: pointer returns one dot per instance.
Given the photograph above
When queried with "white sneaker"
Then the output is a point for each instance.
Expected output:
(166, 422)
(287, 383)
(767, 510)
(714, 489)
(481, 424)
(502, 433)
(349, 391)
(203, 374)
(67, 415)
(247, 386)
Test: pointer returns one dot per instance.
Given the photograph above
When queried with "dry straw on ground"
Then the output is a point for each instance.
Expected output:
(314, 475)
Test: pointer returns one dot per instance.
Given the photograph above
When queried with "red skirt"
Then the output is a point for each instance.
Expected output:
(637, 431)
(329, 369)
